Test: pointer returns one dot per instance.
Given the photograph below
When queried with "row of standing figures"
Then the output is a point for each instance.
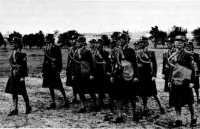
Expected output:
(121, 72)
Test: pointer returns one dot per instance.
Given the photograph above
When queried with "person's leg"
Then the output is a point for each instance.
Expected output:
(162, 111)
(26, 100)
(15, 105)
(193, 116)
(62, 90)
(83, 105)
(75, 93)
(53, 104)
(119, 111)
(145, 109)
(197, 94)
(178, 117)
(135, 116)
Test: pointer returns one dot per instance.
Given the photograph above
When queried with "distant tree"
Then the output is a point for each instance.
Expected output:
(106, 41)
(162, 37)
(126, 35)
(154, 35)
(25, 40)
(14, 35)
(2, 41)
(115, 36)
(65, 37)
(40, 39)
(158, 36)
(176, 30)
(196, 35)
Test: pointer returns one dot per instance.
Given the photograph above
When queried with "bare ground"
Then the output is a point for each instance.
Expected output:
(68, 118)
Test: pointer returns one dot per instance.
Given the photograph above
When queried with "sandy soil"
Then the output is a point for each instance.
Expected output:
(68, 118)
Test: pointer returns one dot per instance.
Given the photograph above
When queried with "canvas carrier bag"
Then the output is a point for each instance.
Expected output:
(180, 74)
(128, 71)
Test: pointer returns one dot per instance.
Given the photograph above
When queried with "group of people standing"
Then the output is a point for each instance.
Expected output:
(117, 69)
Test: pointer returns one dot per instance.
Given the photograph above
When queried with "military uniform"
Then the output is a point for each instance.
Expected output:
(166, 69)
(147, 68)
(183, 94)
(99, 81)
(16, 81)
(52, 67)
(196, 58)
(70, 66)
(82, 57)
(123, 88)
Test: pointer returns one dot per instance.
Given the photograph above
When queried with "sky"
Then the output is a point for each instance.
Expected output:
(97, 16)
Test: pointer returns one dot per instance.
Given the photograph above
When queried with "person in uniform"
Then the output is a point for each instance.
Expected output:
(124, 76)
(16, 82)
(166, 67)
(52, 66)
(147, 70)
(82, 71)
(69, 68)
(182, 81)
(196, 62)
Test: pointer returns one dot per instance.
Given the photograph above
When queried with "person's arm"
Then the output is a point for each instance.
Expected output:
(154, 64)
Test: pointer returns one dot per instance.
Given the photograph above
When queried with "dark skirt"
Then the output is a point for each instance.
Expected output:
(196, 82)
(123, 89)
(147, 88)
(83, 85)
(52, 80)
(180, 96)
(15, 86)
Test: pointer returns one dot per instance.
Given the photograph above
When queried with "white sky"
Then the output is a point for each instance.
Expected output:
(28, 16)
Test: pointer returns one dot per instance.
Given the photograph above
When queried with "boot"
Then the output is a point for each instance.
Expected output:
(178, 123)
(82, 110)
(13, 112)
(193, 122)
(28, 109)
(52, 106)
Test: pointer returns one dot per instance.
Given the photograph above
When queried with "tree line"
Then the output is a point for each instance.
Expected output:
(157, 36)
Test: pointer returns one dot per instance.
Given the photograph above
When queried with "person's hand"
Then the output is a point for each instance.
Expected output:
(112, 79)
(191, 85)
(135, 79)
(22, 79)
(169, 84)
(153, 78)
(162, 76)
(91, 77)
(72, 77)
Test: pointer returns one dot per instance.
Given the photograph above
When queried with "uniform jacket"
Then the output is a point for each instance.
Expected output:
(147, 70)
(130, 55)
(19, 61)
(52, 59)
(78, 55)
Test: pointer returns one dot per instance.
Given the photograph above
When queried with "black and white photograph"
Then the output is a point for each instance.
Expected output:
(100, 64)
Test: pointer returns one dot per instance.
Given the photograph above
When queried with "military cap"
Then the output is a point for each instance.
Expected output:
(92, 41)
(82, 40)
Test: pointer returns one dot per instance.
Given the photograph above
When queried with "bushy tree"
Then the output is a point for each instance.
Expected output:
(40, 39)
(14, 35)
(65, 37)
(31, 40)
(158, 36)
(105, 39)
(2, 41)
(176, 30)
(196, 35)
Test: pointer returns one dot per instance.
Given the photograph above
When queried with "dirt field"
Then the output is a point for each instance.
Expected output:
(67, 117)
